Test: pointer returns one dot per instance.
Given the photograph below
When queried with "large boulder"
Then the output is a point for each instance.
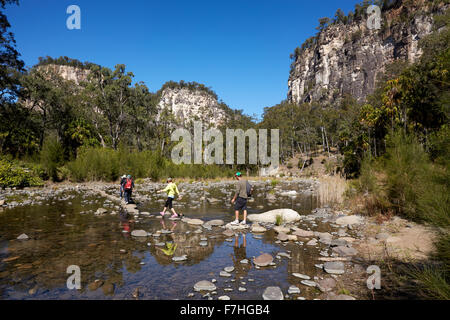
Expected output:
(288, 216)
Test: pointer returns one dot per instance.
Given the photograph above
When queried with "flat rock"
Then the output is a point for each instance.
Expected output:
(224, 298)
(228, 269)
(139, 233)
(308, 283)
(349, 220)
(282, 237)
(345, 251)
(326, 285)
(214, 223)
(101, 211)
(334, 267)
(204, 285)
(304, 233)
(301, 276)
(23, 236)
(236, 226)
(293, 290)
(195, 222)
(332, 296)
(281, 229)
(288, 216)
(180, 258)
(382, 236)
(224, 274)
(273, 293)
(228, 233)
(256, 228)
(263, 260)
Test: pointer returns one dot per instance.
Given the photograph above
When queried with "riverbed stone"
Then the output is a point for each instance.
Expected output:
(228, 233)
(224, 274)
(345, 251)
(301, 276)
(256, 228)
(326, 285)
(224, 298)
(228, 269)
(293, 290)
(23, 236)
(382, 236)
(101, 211)
(195, 222)
(304, 233)
(263, 260)
(204, 285)
(139, 233)
(180, 258)
(282, 237)
(349, 220)
(273, 293)
(332, 296)
(288, 216)
(281, 229)
(308, 283)
(334, 267)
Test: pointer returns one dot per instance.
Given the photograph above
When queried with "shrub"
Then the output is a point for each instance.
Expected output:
(14, 176)
(52, 157)
(416, 188)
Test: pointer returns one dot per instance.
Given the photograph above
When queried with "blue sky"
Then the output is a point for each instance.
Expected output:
(238, 48)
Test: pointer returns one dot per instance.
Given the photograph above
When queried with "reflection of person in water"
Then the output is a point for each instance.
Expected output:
(125, 222)
(174, 224)
(240, 253)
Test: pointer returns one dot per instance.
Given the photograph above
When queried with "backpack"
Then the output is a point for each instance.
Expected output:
(249, 189)
(128, 184)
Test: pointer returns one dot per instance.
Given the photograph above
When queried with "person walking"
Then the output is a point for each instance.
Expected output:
(171, 190)
(243, 191)
(128, 188)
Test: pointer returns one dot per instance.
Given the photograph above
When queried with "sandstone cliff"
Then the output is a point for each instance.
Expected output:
(346, 58)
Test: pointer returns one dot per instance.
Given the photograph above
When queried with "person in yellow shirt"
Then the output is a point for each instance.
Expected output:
(171, 190)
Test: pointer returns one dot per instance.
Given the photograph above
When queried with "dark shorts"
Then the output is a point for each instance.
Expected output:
(169, 203)
(240, 204)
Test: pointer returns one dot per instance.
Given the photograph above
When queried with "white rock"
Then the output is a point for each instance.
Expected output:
(288, 216)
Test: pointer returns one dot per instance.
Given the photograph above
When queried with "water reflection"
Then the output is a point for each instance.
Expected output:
(64, 230)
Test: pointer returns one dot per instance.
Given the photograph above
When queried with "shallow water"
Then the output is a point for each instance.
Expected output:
(64, 231)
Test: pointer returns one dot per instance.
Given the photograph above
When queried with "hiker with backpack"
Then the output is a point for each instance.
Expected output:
(123, 179)
(171, 190)
(243, 192)
(128, 188)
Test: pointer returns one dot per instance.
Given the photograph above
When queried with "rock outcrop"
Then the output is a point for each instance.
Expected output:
(345, 59)
(187, 104)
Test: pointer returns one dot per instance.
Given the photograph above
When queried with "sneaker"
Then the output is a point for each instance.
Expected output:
(162, 213)
(243, 222)
(235, 222)
(174, 216)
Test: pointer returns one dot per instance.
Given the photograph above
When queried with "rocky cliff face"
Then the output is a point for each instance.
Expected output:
(77, 75)
(347, 58)
(192, 104)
